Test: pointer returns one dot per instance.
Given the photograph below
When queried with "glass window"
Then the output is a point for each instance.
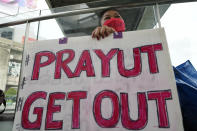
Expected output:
(80, 25)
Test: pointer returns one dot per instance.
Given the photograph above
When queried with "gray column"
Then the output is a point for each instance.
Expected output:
(5, 46)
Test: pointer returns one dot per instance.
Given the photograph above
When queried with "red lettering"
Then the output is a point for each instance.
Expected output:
(38, 64)
(63, 64)
(76, 96)
(160, 97)
(152, 59)
(110, 122)
(137, 64)
(26, 123)
(84, 64)
(127, 122)
(51, 108)
(105, 59)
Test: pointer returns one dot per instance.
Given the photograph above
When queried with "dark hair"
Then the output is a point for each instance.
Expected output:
(104, 11)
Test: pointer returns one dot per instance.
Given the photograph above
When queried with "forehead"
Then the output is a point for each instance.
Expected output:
(111, 13)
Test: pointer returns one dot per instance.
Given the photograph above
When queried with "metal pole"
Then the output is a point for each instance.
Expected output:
(38, 27)
(81, 11)
(157, 14)
(26, 34)
(22, 63)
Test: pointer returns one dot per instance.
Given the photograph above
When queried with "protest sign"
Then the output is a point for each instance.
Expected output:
(114, 84)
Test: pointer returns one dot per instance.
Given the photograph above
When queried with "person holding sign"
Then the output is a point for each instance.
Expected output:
(110, 21)
(93, 89)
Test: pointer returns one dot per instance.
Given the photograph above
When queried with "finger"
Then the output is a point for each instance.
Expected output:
(96, 33)
(93, 34)
(112, 30)
(102, 32)
(99, 37)
(108, 32)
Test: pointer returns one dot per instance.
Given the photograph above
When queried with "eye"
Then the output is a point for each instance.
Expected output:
(106, 18)
(117, 16)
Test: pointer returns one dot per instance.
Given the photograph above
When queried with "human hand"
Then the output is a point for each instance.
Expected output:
(102, 31)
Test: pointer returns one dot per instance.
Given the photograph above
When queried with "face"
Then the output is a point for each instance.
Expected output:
(110, 14)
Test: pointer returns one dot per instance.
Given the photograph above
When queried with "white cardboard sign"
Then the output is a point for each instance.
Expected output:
(89, 85)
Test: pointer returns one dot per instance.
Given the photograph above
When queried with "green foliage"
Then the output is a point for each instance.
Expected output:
(11, 92)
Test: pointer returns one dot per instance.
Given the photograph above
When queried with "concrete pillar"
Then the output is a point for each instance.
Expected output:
(5, 46)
